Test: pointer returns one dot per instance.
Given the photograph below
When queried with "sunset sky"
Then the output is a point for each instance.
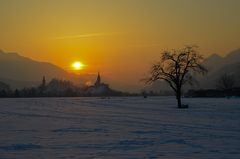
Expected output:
(119, 38)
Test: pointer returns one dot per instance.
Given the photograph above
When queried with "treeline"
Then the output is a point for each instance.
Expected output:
(54, 88)
(234, 92)
(226, 86)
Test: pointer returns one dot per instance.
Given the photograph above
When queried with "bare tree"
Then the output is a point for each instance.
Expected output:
(225, 82)
(176, 68)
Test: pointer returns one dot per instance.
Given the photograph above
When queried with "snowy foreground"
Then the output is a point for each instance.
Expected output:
(67, 128)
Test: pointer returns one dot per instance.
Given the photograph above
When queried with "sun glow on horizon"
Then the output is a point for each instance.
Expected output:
(77, 65)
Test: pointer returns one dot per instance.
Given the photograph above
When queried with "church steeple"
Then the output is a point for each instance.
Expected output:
(98, 81)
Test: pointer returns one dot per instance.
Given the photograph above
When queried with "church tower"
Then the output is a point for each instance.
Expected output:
(98, 81)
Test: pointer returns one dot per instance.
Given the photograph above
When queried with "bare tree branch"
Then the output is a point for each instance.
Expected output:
(176, 68)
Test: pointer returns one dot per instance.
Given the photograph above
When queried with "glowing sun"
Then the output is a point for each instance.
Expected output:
(77, 65)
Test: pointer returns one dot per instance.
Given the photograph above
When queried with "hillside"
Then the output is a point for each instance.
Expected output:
(19, 71)
(229, 64)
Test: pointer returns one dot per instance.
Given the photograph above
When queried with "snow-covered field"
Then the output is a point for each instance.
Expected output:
(68, 128)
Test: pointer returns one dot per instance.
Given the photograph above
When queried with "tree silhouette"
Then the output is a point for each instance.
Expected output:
(226, 82)
(44, 82)
(42, 87)
(16, 93)
(176, 67)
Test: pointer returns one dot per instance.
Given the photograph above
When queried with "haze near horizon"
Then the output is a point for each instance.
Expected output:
(118, 38)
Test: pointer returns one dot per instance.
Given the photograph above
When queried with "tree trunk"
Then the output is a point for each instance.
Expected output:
(178, 96)
(179, 101)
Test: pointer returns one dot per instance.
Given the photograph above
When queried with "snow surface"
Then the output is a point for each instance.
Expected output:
(69, 128)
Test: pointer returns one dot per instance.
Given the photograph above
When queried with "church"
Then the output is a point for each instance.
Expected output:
(99, 88)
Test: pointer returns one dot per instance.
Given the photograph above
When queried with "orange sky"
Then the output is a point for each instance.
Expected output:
(118, 38)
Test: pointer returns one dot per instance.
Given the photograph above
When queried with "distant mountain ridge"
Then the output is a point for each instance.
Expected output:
(229, 64)
(19, 71)
(213, 59)
(216, 61)
(14, 66)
